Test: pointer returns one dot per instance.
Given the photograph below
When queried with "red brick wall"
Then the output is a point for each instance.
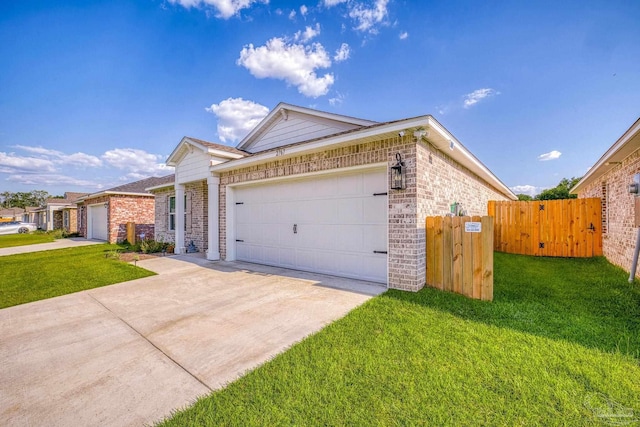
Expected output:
(122, 209)
(618, 230)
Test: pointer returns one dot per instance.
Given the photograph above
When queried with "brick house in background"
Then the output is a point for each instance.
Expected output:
(312, 191)
(609, 179)
(104, 215)
(58, 213)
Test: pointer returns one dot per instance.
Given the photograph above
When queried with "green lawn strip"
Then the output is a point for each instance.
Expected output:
(11, 240)
(39, 275)
(560, 335)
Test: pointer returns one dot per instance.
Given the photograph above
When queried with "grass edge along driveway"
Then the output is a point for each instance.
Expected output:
(12, 240)
(560, 345)
(39, 275)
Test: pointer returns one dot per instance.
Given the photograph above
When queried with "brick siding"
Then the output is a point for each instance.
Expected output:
(433, 179)
(196, 215)
(122, 209)
(619, 231)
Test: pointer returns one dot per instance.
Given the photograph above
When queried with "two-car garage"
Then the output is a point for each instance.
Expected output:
(331, 224)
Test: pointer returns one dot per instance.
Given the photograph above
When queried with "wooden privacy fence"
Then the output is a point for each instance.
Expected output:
(460, 255)
(556, 228)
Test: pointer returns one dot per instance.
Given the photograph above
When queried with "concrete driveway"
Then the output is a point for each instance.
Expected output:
(130, 354)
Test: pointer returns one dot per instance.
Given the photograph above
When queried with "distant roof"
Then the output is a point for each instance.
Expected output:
(69, 197)
(11, 211)
(142, 185)
(138, 188)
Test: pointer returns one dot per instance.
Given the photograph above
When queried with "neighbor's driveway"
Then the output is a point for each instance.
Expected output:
(71, 242)
(130, 354)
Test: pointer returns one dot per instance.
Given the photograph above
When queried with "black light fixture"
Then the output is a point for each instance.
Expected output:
(398, 181)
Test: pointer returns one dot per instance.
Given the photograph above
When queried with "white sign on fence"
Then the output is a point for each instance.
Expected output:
(473, 227)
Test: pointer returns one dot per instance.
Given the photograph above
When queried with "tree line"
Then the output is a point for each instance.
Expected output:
(38, 198)
(560, 191)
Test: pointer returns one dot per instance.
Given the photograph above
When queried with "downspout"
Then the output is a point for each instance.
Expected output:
(634, 263)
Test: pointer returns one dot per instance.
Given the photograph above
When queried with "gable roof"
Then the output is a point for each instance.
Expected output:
(626, 145)
(136, 188)
(421, 127)
(289, 124)
(188, 143)
(69, 197)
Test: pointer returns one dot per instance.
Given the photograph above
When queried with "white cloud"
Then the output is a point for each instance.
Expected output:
(237, 117)
(552, 155)
(10, 163)
(478, 95)
(308, 34)
(52, 179)
(304, 10)
(136, 161)
(330, 3)
(530, 190)
(225, 9)
(292, 15)
(343, 53)
(337, 100)
(58, 157)
(403, 35)
(296, 64)
(368, 17)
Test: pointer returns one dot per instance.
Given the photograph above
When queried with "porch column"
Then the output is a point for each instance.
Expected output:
(179, 232)
(213, 215)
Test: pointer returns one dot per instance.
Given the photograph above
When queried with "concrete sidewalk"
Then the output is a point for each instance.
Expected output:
(58, 244)
(130, 354)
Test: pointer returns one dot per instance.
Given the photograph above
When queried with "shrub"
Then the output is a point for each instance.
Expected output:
(152, 246)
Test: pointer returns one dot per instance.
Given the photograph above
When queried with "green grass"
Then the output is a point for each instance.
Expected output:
(39, 275)
(10, 240)
(561, 337)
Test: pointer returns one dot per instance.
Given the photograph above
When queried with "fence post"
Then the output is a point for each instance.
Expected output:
(131, 232)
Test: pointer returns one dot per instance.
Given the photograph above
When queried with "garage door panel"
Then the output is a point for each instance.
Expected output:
(339, 224)
(350, 185)
(98, 222)
(375, 238)
(375, 210)
(350, 211)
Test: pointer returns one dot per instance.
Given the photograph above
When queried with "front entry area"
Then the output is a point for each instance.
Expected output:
(331, 224)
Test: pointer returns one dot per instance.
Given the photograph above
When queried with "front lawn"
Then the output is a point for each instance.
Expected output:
(39, 275)
(10, 240)
(559, 345)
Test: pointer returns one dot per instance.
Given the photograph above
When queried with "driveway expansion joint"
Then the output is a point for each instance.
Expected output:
(151, 342)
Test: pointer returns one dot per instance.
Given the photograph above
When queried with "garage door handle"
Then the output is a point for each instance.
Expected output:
(295, 228)
(238, 240)
(379, 252)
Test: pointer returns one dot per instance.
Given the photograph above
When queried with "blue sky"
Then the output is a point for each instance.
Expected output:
(97, 93)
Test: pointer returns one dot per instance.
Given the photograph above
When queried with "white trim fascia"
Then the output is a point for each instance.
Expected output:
(601, 167)
(468, 159)
(460, 152)
(248, 140)
(161, 186)
(111, 193)
(207, 150)
(321, 144)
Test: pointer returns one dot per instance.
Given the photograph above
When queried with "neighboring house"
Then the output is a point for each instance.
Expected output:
(104, 215)
(30, 213)
(11, 214)
(609, 179)
(312, 191)
(57, 212)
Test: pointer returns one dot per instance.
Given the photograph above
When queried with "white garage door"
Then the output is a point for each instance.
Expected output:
(97, 222)
(333, 224)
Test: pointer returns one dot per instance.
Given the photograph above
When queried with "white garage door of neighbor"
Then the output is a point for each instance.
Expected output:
(97, 222)
(332, 224)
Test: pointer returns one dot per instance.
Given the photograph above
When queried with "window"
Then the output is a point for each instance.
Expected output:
(65, 218)
(172, 213)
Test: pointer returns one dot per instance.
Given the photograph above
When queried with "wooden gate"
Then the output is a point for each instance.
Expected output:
(460, 255)
(556, 228)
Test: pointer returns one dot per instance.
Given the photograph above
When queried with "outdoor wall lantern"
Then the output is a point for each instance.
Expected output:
(106, 205)
(398, 173)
